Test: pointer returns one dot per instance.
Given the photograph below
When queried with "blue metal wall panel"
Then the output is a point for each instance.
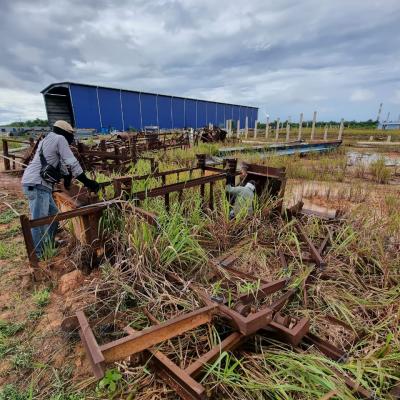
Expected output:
(164, 112)
(131, 110)
(221, 115)
(211, 113)
(201, 114)
(236, 114)
(178, 112)
(228, 111)
(190, 113)
(110, 108)
(149, 109)
(242, 116)
(86, 111)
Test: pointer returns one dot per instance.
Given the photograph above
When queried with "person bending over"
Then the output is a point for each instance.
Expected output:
(243, 198)
(53, 161)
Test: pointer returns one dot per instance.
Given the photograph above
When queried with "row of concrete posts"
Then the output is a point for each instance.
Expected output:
(269, 129)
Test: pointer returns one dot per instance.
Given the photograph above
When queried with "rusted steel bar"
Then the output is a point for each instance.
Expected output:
(324, 243)
(313, 251)
(250, 324)
(127, 346)
(228, 344)
(292, 335)
(7, 165)
(263, 290)
(176, 187)
(93, 351)
(27, 234)
(179, 380)
(280, 303)
(325, 347)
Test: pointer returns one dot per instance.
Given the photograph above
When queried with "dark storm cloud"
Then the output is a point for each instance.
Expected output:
(287, 57)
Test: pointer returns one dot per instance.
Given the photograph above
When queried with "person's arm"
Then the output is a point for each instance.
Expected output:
(233, 189)
(67, 158)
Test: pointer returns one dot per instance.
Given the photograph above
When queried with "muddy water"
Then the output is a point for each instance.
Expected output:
(356, 158)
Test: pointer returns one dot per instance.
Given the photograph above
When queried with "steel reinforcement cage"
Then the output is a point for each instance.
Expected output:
(103, 108)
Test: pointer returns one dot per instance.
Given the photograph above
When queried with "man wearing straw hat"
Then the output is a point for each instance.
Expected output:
(52, 162)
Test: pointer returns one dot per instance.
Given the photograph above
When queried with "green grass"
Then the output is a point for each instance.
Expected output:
(42, 297)
(7, 216)
(10, 249)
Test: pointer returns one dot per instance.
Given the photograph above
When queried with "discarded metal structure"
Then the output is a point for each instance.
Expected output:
(114, 154)
(13, 161)
(117, 153)
(210, 135)
(240, 313)
(282, 149)
(86, 211)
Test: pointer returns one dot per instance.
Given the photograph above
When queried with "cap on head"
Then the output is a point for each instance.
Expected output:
(64, 125)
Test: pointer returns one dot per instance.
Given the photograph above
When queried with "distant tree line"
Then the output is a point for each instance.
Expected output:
(30, 123)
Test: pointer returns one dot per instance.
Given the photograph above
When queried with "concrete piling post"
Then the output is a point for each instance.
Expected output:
(326, 132)
(288, 130)
(277, 130)
(313, 125)
(246, 127)
(267, 128)
(341, 128)
(255, 128)
(238, 128)
(300, 127)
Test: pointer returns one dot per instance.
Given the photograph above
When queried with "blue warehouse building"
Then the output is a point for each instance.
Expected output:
(102, 108)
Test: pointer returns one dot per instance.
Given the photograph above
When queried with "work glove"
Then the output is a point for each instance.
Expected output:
(92, 185)
(67, 181)
(230, 179)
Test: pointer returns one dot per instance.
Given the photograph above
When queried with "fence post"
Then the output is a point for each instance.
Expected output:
(246, 127)
(238, 128)
(255, 128)
(341, 127)
(288, 129)
(277, 130)
(326, 132)
(300, 127)
(7, 165)
(313, 125)
(267, 128)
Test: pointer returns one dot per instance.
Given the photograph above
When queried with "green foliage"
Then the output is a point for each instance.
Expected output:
(23, 358)
(110, 381)
(42, 297)
(30, 123)
(11, 392)
(9, 249)
(9, 328)
(379, 171)
(7, 216)
(49, 250)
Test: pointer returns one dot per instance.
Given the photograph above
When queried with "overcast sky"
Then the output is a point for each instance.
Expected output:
(339, 57)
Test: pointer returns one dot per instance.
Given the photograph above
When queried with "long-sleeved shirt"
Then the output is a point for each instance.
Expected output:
(56, 151)
(243, 198)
